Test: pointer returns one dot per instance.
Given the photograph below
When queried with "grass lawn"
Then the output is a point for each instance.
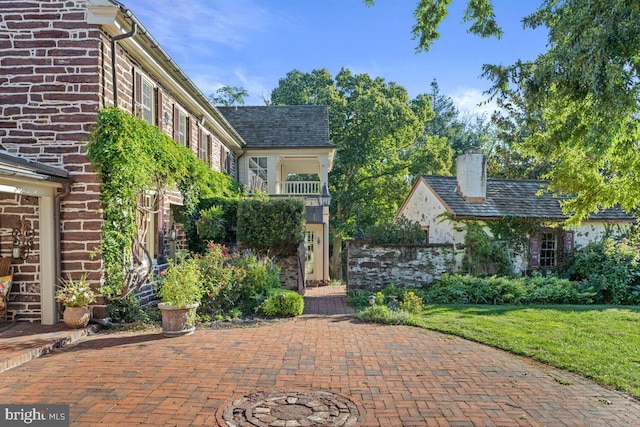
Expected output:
(599, 342)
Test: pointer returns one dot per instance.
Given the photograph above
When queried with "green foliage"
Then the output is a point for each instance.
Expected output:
(411, 302)
(181, 284)
(465, 289)
(239, 281)
(274, 226)
(484, 256)
(384, 315)
(215, 220)
(283, 303)
(132, 158)
(374, 124)
(402, 230)
(75, 293)
(228, 96)
(211, 225)
(611, 268)
(127, 310)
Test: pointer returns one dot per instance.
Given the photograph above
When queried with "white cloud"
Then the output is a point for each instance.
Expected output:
(468, 100)
(187, 23)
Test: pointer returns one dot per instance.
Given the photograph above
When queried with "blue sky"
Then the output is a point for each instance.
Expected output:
(254, 43)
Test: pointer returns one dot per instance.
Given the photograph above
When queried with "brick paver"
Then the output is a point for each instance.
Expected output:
(397, 375)
(326, 301)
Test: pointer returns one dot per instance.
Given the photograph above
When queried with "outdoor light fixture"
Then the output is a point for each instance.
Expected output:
(173, 233)
(22, 240)
(166, 118)
(325, 197)
(372, 299)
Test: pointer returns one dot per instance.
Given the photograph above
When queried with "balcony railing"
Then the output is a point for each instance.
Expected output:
(298, 187)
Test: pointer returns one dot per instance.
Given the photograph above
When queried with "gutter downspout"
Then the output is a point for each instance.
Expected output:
(114, 39)
(56, 235)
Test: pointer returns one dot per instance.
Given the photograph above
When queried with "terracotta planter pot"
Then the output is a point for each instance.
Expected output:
(178, 321)
(76, 317)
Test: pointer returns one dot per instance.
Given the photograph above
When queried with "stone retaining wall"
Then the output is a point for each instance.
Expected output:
(373, 267)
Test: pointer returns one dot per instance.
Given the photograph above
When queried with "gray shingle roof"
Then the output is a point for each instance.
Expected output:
(280, 126)
(510, 198)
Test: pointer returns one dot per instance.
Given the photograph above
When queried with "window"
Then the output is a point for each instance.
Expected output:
(258, 173)
(425, 228)
(145, 98)
(309, 244)
(181, 128)
(548, 250)
(148, 102)
(205, 148)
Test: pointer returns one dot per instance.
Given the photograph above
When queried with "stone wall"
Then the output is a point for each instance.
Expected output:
(289, 268)
(373, 267)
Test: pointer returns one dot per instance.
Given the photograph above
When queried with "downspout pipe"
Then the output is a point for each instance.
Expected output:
(56, 234)
(114, 73)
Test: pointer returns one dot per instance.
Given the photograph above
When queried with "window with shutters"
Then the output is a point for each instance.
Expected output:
(148, 102)
(205, 148)
(182, 127)
(548, 250)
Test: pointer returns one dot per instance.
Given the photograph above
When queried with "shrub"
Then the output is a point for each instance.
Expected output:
(465, 289)
(383, 314)
(273, 226)
(411, 302)
(238, 281)
(181, 284)
(401, 230)
(611, 269)
(484, 256)
(211, 225)
(283, 303)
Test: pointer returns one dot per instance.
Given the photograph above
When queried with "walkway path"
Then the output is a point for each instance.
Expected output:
(381, 375)
(326, 301)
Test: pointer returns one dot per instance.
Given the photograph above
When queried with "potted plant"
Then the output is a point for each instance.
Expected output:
(180, 289)
(75, 295)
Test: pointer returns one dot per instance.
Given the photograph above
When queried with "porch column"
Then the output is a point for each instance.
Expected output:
(47, 259)
(325, 243)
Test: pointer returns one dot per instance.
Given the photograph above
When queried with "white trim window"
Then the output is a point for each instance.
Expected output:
(148, 101)
(258, 173)
(182, 128)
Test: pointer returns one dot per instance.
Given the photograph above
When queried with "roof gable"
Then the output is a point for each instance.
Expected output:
(510, 198)
(291, 126)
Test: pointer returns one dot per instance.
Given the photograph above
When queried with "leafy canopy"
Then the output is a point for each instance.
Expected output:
(375, 125)
(584, 92)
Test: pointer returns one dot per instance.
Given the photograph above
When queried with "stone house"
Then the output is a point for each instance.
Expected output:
(441, 203)
(60, 63)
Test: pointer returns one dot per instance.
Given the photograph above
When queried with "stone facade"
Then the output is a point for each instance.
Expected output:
(55, 74)
(373, 267)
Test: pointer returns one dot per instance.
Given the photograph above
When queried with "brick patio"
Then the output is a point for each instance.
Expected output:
(396, 375)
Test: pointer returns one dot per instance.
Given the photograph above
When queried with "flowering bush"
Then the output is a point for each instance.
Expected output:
(411, 302)
(238, 281)
(75, 293)
(181, 283)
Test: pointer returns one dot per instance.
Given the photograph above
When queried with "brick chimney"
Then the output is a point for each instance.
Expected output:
(472, 175)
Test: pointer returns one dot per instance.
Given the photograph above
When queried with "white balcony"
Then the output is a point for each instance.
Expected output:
(297, 188)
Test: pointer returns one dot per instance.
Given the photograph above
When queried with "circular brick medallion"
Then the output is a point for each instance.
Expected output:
(291, 408)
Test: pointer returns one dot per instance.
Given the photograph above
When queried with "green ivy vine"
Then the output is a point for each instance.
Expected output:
(132, 158)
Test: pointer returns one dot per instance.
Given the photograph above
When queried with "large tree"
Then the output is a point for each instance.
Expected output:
(587, 87)
(374, 124)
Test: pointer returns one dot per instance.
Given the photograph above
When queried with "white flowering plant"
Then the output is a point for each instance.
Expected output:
(75, 293)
